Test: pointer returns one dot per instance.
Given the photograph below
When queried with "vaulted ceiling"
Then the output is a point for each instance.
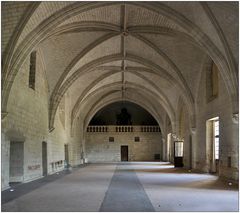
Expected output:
(151, 53)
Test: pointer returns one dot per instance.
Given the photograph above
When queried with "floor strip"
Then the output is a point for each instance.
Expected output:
(126, 193)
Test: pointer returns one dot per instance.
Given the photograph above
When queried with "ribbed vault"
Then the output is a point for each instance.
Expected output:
(101, 52)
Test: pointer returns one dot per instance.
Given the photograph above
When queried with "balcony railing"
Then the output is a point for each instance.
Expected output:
(112, 128)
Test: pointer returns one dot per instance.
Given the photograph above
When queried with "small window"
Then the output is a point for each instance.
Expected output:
(229, 163)
(32, 70)
(111, 139)
(212, 82)
(137, 139)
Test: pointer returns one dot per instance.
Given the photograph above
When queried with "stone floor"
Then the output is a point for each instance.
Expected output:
(122, 187)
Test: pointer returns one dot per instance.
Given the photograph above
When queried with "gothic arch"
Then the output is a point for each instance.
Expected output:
(112, 71)
(140, 103)
(55, 99)
(128, 85)
(37, 35)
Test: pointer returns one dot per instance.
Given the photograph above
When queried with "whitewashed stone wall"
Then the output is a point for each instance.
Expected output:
(228, 138)
(27, 121)
(99, 149)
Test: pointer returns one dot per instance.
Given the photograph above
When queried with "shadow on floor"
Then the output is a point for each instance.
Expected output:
(18, 189)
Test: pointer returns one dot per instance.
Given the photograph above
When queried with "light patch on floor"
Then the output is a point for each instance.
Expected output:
(173, 189)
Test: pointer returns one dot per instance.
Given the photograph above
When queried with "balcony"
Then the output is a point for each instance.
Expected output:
(113, 128)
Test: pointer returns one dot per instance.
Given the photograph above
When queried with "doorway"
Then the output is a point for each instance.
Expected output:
(178, 153)
(190, 152)
(16, 162)
(124, 153)
(169, 153)
(212, 142)
(44, 158)
(66, 155)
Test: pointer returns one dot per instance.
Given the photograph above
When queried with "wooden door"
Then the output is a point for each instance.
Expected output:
(44, 158)
(124, 153)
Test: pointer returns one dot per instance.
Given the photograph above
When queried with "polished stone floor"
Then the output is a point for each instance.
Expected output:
(124, 187)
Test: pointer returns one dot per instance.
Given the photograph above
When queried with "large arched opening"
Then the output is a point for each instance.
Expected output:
(123, 131)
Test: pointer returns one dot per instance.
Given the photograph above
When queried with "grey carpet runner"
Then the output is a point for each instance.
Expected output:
(126, 193)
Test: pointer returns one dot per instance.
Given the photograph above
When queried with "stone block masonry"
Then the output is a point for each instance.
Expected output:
(100, 149)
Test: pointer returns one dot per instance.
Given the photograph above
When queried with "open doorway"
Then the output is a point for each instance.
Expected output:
(16, 171)
(44, 158)
(178, 153)
(169, 153)
(212, 139)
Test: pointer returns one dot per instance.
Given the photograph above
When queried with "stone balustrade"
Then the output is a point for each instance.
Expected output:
(117, 128)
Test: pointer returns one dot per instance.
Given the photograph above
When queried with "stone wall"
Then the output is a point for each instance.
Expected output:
(27, 121)
(99, 149)
(10, 22)
(198, 147)
(228, 138)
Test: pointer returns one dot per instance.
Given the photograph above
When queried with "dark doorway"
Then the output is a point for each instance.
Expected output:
(16, 162)
(178, 153)
(190, 151)
(44, 158)
(124, 153)
(66, 155)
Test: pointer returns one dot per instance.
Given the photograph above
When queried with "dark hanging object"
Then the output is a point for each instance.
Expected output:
(124, 118)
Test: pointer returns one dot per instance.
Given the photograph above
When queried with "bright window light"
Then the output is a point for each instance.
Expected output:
(216, 138)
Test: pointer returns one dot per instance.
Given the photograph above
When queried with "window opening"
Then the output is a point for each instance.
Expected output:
(136, 139)
(229, 162)
(111, 139)
(32, 70)
(178, 149)
(212, 82)
(216, 139)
